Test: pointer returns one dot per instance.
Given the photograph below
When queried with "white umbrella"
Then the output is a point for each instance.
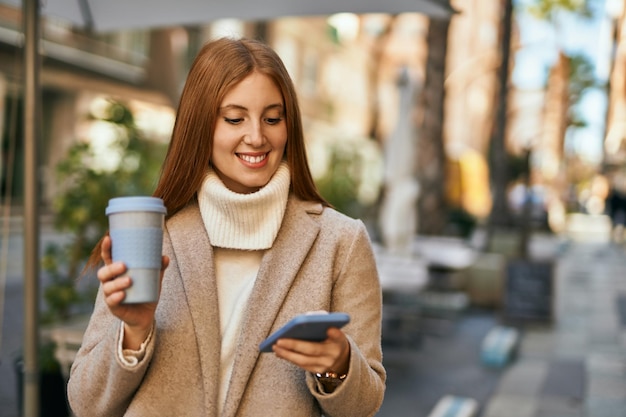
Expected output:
(109, 15)
(398, 215)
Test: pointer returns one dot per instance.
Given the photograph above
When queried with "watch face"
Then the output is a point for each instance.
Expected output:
(331, 375)
(330, 379)
(330, 384)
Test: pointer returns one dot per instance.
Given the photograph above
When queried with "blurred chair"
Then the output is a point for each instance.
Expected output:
(402, 279)
(68, 338)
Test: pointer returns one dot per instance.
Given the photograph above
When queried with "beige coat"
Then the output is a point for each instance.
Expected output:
(321, 259)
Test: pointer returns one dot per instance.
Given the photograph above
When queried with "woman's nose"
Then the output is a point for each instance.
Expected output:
(254, 135)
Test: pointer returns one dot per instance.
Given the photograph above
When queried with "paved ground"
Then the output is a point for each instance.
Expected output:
(445, 363)
(572, 367)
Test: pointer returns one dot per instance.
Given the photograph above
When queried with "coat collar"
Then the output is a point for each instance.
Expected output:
(270, 289)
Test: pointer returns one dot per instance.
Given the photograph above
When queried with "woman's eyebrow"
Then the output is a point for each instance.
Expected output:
(233, 107)
(274, 106)
(240, 107)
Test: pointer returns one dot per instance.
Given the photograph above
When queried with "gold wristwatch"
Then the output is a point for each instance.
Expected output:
(330, 380)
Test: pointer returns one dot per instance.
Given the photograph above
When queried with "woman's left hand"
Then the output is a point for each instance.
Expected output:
(331, 355)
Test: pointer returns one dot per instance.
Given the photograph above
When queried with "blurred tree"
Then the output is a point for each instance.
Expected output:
(86, 187)
(570, 77)
(500, 216)
(580, 78)
(568, 80)
(548, 9)
(614, 143)
(351, 182)
(431, 158)
(378, 48)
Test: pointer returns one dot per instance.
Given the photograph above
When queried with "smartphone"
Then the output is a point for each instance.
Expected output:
(311, 327)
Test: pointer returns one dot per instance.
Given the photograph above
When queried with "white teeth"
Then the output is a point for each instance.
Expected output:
(252, 159)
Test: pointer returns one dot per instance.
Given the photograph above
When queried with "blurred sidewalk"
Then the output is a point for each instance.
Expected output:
(575, 366)
(572, 366)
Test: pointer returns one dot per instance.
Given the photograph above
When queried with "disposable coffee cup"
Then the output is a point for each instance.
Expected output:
(136, 231)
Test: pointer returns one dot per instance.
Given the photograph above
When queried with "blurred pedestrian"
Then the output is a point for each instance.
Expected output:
(616, 207)
(249, 243)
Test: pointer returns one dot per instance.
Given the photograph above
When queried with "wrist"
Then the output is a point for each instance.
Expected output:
(134, 336)
(330, 380)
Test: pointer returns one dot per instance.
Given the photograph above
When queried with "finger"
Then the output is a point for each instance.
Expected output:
(111, 271)
(335, 335)
(328, 347)
(105, 250)
(115, 291)
(339, 348)
(165, 261)
(115, 298)
(310, 352)
(116, 285)
(298, 346)
(318, 364)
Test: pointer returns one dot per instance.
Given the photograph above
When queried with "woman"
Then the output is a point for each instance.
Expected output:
(248, 244)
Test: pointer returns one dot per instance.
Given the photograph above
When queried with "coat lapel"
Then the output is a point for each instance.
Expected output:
(194, 256)
(270, 289)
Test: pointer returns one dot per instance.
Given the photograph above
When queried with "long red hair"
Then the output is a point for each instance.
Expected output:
(219, 66)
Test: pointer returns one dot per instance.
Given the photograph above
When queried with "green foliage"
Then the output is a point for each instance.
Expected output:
(61, 294)
(461, 221)
(546, 9)
(338, 185)
(343, 181)
(47, 361)
(581, 79)
(519, 167)
(581, 74)
(86, 187)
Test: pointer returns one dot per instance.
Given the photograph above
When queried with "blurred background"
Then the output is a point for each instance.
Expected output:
(481, 142)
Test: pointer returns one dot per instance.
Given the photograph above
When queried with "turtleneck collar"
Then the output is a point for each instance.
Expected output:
(244, 221)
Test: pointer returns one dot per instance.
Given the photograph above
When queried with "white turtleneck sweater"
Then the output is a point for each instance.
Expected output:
(240, 228)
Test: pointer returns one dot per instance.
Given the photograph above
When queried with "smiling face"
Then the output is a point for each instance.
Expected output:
(250, 134)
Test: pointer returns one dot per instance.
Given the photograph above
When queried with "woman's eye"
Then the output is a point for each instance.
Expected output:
(273, 120)
(232, 121)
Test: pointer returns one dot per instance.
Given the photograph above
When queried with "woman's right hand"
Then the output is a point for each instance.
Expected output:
(137, 318)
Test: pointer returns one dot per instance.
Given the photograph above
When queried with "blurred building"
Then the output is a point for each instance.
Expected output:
(615, 141)
(77, 68)
(330, 61)
(345, 68)
(146, 69)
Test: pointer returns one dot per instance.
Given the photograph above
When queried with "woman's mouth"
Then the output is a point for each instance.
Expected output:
(252, 159)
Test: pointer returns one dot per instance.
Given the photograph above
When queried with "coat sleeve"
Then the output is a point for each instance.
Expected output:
(357, 291)
(100, 384)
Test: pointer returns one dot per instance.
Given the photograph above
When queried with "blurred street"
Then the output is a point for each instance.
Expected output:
(427, 119)
(573, 366)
